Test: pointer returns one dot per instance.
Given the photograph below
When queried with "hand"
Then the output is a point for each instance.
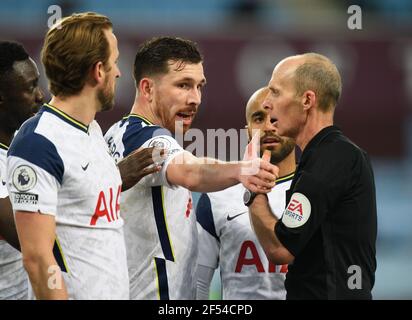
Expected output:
(137, 165)
(265, 178)
(258, 175)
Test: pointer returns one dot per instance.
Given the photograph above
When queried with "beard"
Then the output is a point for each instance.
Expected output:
(279, 154)
(105, 97)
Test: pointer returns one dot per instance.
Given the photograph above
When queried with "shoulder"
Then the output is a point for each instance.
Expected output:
(37, 148)
(337, 150)
(136, 132)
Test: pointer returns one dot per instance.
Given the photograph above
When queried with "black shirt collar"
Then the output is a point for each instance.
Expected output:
(322, 134)
(316, 140)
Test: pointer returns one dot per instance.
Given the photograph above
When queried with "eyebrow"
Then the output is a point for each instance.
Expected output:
(203, 81)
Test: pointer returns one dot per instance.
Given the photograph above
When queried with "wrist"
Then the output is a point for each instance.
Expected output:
(260, 199)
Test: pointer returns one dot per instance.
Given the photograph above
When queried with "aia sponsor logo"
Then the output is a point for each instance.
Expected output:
(107, 206)
(249, 257)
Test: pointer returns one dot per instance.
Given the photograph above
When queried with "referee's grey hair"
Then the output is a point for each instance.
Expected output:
(318, 73)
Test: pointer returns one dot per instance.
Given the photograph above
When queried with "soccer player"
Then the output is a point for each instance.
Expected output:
(328, 229)
(64, 185)
(160, 228)
(226, 238)
(20, 97)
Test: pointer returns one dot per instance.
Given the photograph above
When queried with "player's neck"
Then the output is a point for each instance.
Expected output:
(315, 123)
(287, 165)
(79, 107)
(142, 108)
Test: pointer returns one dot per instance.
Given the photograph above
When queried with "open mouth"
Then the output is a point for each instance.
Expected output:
(186, 117)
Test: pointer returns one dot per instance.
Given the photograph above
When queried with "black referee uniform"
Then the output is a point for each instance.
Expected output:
(330, 222)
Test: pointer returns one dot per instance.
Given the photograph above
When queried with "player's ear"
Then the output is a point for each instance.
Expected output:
(146, 88)
(98, 72)
(308, 99)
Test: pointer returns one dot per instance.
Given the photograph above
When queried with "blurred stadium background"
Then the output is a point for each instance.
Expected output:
(242, 40)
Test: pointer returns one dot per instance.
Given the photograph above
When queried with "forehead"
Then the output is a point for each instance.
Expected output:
(284, 72)
(256, 104)
(180, 70)
(25, 70)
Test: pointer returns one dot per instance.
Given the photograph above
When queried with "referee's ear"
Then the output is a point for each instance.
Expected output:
(308, 100)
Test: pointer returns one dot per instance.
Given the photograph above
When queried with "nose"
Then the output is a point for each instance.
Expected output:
(195, 97)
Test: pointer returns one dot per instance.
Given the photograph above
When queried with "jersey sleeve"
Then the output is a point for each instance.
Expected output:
(209, 243)
(34, 174)
(319, 187)
(153, 136)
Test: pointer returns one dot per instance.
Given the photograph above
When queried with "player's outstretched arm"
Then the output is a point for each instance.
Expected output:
(209, 175)
(7, 226)
(137, 165)
(37, 234)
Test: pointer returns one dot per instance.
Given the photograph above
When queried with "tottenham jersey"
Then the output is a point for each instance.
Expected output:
(13, 277)
(160, 228)
(226, 239)
(58, 166)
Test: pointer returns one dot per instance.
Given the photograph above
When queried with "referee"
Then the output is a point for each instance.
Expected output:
(327, 233)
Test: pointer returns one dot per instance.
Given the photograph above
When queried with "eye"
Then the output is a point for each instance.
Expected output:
(183, 85)
(258, 119)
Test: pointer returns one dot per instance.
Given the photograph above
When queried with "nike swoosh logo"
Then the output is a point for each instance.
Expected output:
(85, 167)
(229, 218)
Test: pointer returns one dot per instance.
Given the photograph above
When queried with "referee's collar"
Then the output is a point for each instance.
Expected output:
(319, 137)
(322, 134)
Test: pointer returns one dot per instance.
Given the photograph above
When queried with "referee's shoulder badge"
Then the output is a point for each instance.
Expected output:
(297, 212)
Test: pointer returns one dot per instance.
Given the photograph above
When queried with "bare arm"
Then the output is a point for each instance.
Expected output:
(37, 236)
(263, 222)
(208, 175)
(7, 226)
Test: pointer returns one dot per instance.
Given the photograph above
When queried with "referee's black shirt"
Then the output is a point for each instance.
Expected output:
(330, 222)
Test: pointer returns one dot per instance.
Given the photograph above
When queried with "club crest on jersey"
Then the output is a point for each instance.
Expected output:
(160, 143)
(24, 178)
(297, 212)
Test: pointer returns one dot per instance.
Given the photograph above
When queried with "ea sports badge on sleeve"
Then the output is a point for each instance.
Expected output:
(297, 211)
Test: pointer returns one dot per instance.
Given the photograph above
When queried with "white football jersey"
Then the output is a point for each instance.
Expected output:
(58, 166)
(13, 276)
(226, 239)
(160, 227)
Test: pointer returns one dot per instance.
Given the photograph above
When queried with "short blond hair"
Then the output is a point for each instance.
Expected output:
(71, 48)
(318, 73)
